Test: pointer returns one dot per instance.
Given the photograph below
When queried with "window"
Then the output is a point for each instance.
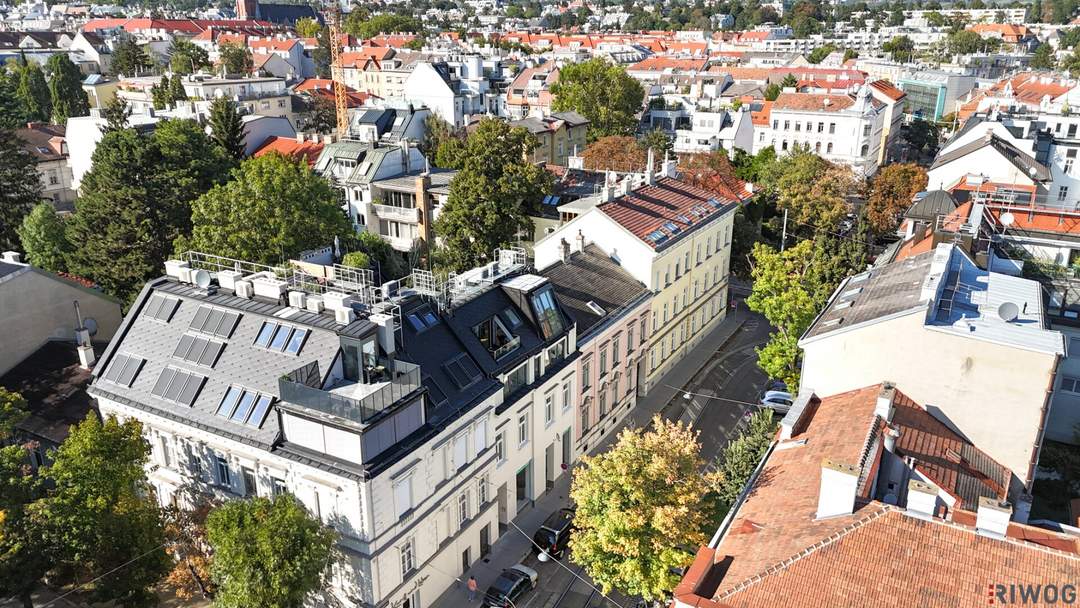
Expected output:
(1074, 348)
(277, 486)
(1063, 193)
(584, 416)
(178, 386)
(1072, 130)
(500, 447)
(223, 472)
(280, 338)
(787, 125)
(198, 350)
(160, 308)
(642, 332)
(461, 451)
(516, 379)
(603, 400)
(866, 130)
(798, 127)
(166, 456)
(250, 485)
(480, 437)
(864, 149)
(463, 508)
(547, 313)
(462, 370)
(586, 375)
(774, 124)
(828, 148)
(1070, 384)
(494, 335)
(603, 360)
(408, 561)
(832, 128)
(549, 408)
(482, 490)
(556, 352)
(614, 351)
(820, 127)
(523, 429)
(244, 406)
(629, 337)
(215, 321)
(403, 496)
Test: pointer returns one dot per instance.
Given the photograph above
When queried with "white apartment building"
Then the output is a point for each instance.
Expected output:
(845, 129)
(417, 434)
(711, 131)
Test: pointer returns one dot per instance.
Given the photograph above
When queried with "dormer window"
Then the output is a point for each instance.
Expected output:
(496, 337)
(547, 313)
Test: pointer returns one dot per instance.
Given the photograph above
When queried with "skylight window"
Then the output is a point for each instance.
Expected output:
(683, 219)
(843, 305)
(215, 321)
(178, 386)
(245, 406)
(123, 369)
(198, 349)
(547, 313)
(671, 227)
(462, 370)
(851, 293)
(423, 320)
(596, 308)
(161, 308)
(715, 203)
(281, 338)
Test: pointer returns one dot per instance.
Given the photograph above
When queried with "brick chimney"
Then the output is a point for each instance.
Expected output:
(423, 206)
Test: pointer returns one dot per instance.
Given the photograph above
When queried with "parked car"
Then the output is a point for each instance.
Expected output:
(507, 590)
(776, 385)
(553, 536)
(777, 401)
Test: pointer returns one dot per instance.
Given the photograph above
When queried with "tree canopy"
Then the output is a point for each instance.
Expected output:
(65, 89)
(640, 507)
(33, 93)
(185, 57)
(891, 191)
(20, 187)
(268, 553)
(813, 190)
(601, 92)
(272, 209)
(614, 153)
(491, 196)
(129, 59)
(43, 238)
(383, 23)
(235, 59)
(226, 128)
(901, 48)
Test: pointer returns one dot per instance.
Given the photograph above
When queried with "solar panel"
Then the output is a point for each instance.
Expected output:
(178, 385)
(430, 320)
(190, 390)
(198, 350)
(215, 321)
(199, 321)
(228, 324)
(416, 323)
(163, 381)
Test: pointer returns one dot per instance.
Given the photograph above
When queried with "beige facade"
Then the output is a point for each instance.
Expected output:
(992, 394)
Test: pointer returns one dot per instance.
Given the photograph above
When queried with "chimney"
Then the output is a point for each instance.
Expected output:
(921, 499)
(579, 242)
(891, 435)
(564, 251)
(574, 161)
(607, 192)
(992, 518)
(884, 405)
(11, 257)
(424, 207)
(839, 484)
(649, 168)
(669, 167)
(299, 137)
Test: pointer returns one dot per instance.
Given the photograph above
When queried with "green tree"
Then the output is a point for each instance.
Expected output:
(658, 141)
(176, 89)
(819, 54)
(321, 55)
(65, 87)
(812, 189)
(740, 457)
(160, 94)
(43, 238)
(491, 196)
(923, 135)
(383, 23)
(11, 110)
(24, 558)
(437, 133)
(381, 257)
(356, 259)
(789, 81)
(13, 410)
(323, 114)
(640, 512)
(1043, 58)
(901, 48)
(772, 91)
(850, 54)
(235, 59)
(601, 92)
(268, 553)
(891, 192)
(116, 114)
(226, 128)
(307, 27)
(783, 294)
(965, 42)
(33, 93)
(122, 220)
(185, 57)
(272, 209)
(20, 187)
(100, 516)
(191, 164)
(129, 59)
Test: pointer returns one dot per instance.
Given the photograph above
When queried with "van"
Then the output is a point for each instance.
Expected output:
(551, 540)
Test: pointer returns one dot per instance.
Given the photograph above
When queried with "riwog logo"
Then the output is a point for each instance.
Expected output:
(1019, 594)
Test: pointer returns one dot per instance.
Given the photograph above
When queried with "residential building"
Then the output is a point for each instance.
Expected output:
(932, 94)
(712, 131)
(985, 361)
(558, 136)
(672, 237)
(997, 160)
(260, 96)
(845, 129)
(391, 123)
(416, 423)
(865, 499)
(893, 99)
(100, 90)
(529, 93)
(611, 311)
(305, 146)
(47, 145)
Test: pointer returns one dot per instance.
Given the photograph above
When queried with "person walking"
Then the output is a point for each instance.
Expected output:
(471, 586)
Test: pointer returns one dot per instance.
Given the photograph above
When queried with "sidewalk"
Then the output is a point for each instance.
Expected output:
(513, 546)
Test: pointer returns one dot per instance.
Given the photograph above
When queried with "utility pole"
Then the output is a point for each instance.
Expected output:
(783, 234)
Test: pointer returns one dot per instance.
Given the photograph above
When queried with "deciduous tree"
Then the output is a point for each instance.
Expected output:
(20, 187)
(640, 509)
(235, 59)
(601, 92)
(65, 87)
(659, 141)
(614, 153)
(43, 238)
(891, 192)
(491, 196)
(812, 189)
(267, 553)
(226, 128)
(383, 23)
(901, 48)
(1043, 58)
(307, 27)
(272, 209)
(185, 57)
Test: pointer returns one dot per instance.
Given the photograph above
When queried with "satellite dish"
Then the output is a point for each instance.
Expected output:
(1007, 218)
(1008, 312)
(91, 325)
(202, 279)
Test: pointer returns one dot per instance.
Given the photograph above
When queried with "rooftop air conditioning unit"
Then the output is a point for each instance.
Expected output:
(297, 299)
(269, 287)
(227, 278)
(315, 304)
(244, 289)
(335, 300)
(175, 268)
(344, 316)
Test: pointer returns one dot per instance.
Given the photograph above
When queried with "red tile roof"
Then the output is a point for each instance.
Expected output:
(290, 147)
(668, 201)
(816, 102)
(760, 118)
(887, 89)
(659, 64)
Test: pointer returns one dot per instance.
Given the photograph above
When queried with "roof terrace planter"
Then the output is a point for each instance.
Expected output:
(402, 380)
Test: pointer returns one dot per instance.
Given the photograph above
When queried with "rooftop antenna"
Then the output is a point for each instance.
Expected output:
(1008, 311)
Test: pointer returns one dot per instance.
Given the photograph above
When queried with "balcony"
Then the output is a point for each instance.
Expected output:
(397, 214)
(356, 402)
(505, 349)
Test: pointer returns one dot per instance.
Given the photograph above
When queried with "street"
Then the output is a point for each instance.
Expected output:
(723, 381)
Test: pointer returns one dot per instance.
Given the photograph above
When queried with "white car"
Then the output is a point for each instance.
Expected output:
(777, 401)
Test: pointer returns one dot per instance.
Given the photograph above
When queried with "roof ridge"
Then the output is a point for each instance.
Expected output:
(829, 540)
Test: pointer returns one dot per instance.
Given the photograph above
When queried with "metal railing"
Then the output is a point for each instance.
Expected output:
(506, 349)
(403, 379)
(390, 212)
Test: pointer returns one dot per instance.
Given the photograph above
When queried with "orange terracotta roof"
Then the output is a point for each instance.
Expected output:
(273, 44)
(308, 84)
(887, 88)
(1040, 219)
(657, 64)
(813, 102)
(760, 118)
(739, 73)
(290, 147)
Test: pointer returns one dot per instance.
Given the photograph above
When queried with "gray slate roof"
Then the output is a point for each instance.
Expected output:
(929, 207)
(592, 276)
(1022, 160)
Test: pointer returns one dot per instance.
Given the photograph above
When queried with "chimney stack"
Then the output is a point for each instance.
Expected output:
(992, 517)
(839, 484)
(921, 499)
(649, 168)
(884, 405)
(564, 251)
(579, 242)
(891, 435)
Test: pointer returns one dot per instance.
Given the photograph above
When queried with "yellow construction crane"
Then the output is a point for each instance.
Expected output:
(337, 73)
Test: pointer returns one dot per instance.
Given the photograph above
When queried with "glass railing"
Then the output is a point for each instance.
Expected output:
(402, 380)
